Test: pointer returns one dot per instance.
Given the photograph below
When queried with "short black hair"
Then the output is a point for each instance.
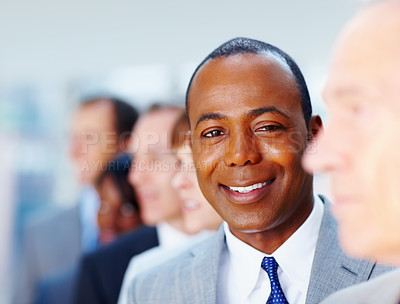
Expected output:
(243, 45)
(125, 114)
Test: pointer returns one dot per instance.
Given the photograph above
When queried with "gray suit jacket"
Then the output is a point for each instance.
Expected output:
(193, 276)
(384, 289)
(50, 246)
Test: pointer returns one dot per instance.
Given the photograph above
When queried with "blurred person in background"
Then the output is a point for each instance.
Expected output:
(360, 146)
(199, 217)
(198, 214)
(118, 212)
(100, 129)
(101, 273)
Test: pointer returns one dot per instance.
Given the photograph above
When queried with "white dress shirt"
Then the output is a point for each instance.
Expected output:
(168, 236)
(88, 207)
(241, 279)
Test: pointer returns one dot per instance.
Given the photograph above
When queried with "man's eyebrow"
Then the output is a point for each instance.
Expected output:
(259, 111)
(252, 113)
(210, 116)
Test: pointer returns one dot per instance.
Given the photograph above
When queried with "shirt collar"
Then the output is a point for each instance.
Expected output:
(245, 261)
(169, 236)
(302, 243)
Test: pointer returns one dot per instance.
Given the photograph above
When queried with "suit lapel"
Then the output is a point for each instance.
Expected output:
(332, 269)
(205, 265)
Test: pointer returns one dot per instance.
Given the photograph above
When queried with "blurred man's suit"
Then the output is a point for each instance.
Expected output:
(52, 247)
(388, 285)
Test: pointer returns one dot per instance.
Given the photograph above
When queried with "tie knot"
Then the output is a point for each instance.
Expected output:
(270, 265)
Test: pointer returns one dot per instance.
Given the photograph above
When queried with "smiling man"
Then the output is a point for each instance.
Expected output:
(250, 120)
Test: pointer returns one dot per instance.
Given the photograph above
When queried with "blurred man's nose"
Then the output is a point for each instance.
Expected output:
(132, 175)
(75, 148)
(324, 153)
(137, 175)
(179, 181)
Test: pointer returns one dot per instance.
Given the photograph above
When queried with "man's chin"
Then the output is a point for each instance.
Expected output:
(247, 227)
(150, 220)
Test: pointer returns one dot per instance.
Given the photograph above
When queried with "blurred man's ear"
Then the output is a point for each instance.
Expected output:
(126, 143)
(314, 127)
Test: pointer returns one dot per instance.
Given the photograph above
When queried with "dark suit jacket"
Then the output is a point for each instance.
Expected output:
(101, 273)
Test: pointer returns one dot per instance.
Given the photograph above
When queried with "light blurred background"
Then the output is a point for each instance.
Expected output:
(54, 53)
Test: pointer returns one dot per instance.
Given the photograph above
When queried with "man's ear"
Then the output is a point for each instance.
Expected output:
(190, 139)
(314, 127)
(126, 142)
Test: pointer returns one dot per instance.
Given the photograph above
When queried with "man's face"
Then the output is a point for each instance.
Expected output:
(154, 167)
(248, 135)
(94, 140)
(361, 144)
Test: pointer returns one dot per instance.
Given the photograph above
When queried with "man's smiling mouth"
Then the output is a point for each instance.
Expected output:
(250, 188)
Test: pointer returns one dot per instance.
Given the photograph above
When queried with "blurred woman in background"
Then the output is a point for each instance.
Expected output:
(118, 212)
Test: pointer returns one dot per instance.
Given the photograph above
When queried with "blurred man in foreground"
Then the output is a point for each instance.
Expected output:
(360, 148)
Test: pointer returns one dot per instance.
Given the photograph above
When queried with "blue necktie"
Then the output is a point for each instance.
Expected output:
(276, 295)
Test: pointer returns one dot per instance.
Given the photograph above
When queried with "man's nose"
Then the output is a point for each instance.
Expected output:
(324, 153)
(134, 174)
(75, 148)
(179, 181)
(241, 149)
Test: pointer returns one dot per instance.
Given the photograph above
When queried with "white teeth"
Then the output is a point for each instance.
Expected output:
(248, 188)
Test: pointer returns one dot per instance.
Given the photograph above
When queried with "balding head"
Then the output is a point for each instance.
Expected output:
(368, 53)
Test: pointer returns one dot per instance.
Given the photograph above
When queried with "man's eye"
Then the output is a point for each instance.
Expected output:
(269, 128)
(213, 133)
